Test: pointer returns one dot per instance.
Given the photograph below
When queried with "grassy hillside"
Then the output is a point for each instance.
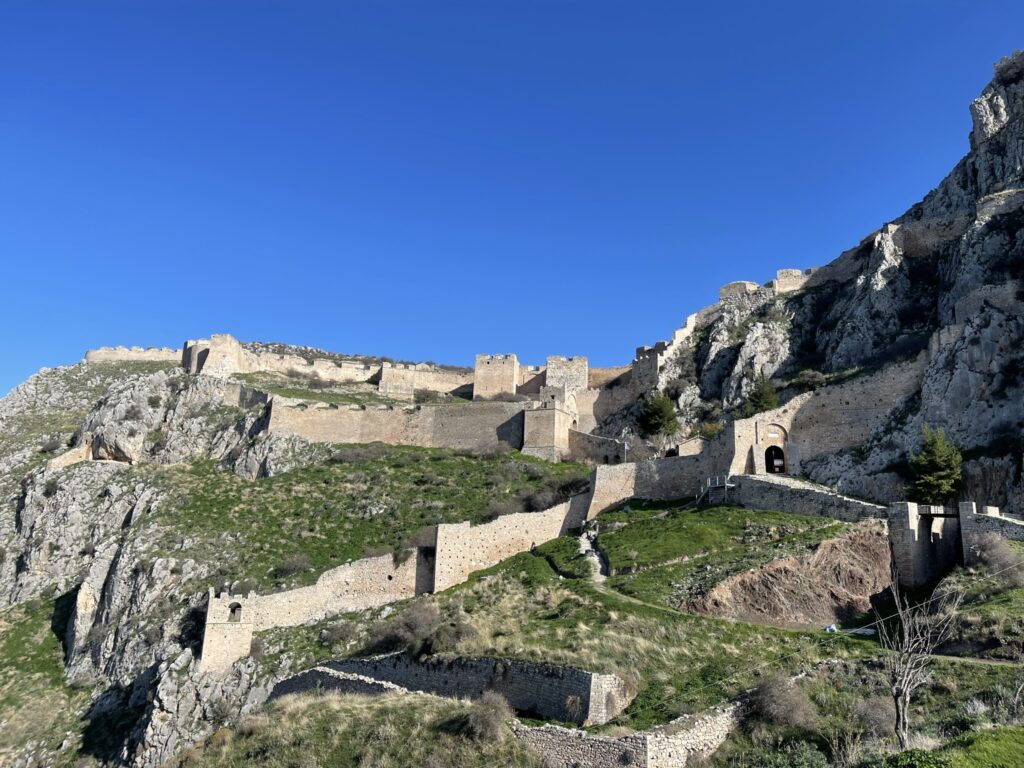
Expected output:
(289, 528)
(356, 731)
(669, 555)
(35, 703)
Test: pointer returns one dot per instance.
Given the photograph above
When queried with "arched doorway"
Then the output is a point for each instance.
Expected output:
(235, 612)
(774, 460)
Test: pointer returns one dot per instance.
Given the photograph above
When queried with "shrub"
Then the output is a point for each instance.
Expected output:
(657, 416)
(450, 634)
(337, 633)
(51, 445)
(487, 716)
(915, 758)
(936, 468)
(155, 401)
(708, 430)
(133, 412)
(50, 488)
(799, 754)
(810, 379)
(293, 564)
(779, 701)
(220, 711)
(500, 507)
(762, 397)
(412, 631)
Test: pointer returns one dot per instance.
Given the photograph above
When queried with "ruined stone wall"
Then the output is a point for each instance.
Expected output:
(827, 420)
(79, 453)
(133, 354)
(600, 450)
(570, 373)
(321, 679)
(975, 523)
(354, 586)
(531, 379)
(495, 375)
(925, 544)
(788, 280)
(463, 548)
(226, 638)
(544, 690)
(670, 746)
(401, 381)
(467, 425)
(785, 494)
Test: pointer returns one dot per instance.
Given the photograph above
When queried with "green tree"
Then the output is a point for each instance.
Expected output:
(762, 397)
(936, 468)
(657, 416)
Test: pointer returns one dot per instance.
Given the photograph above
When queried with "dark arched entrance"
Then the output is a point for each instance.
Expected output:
(774, 460)
(235, 612)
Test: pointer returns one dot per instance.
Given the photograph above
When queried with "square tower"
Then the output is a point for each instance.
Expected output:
(495, 376)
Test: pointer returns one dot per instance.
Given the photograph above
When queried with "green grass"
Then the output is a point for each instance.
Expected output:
(369, 498)
(997, 748)
(35, 703)
(681, 553)
(298, 388)
(355, 732)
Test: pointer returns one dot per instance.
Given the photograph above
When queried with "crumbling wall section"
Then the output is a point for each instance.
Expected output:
(133, 354)
(549, 691)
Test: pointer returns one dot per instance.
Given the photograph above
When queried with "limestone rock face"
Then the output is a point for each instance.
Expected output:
(763, 352)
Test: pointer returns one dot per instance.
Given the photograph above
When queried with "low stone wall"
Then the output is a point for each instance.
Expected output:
(473, 426)
(81, 452)
(600, 450)
(549, 691)
(133, 354)
(463, 548)
(325, 679)
(788, 494)
(669, 746)
(975, 523)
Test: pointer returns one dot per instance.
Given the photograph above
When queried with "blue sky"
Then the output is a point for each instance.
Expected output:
(429, 180)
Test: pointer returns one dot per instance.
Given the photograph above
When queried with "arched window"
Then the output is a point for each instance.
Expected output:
(235, 612)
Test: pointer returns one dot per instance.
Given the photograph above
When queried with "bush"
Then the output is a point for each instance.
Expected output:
(915, 758)
(412, 631)
(799, 754)
(657, 416)
(337, 633)
(500, 507)
(487, 716)
(779, 701)
(50, 488)
(155, 401)
(133, 413)
(292, 565)
(936, 468)
(51, 445)
(762, 397)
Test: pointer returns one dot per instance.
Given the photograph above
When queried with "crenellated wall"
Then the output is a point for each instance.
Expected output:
(133, 354)
(401, 381)
(474, 426)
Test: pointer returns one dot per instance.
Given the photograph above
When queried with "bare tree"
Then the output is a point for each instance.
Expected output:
(911, 637)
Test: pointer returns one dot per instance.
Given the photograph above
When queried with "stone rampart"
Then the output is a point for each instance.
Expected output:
(474, 426)
(401, 381)
(975, 523)
(548, 691)
(495, 376)
(463, 548)
(670, 746)
(787, 494)
(665, 479)
(79, 453)
(570, 373)
(925, 542)
(133, 354)
(600, 450)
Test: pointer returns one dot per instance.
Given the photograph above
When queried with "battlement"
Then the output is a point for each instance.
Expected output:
(495, 376)
(132, 354)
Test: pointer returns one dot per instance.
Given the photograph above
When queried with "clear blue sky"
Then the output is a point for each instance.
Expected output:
(432, 179)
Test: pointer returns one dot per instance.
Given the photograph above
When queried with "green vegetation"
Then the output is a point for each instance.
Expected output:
(358, 731)
(762, 397)
(362, 498)
(318, 390)
(35, 702)
(657, 415)
(936, 468)
(988, 749)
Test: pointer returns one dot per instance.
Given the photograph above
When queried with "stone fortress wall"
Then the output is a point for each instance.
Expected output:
(133, 354)
(547, 691)
(668, 746)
